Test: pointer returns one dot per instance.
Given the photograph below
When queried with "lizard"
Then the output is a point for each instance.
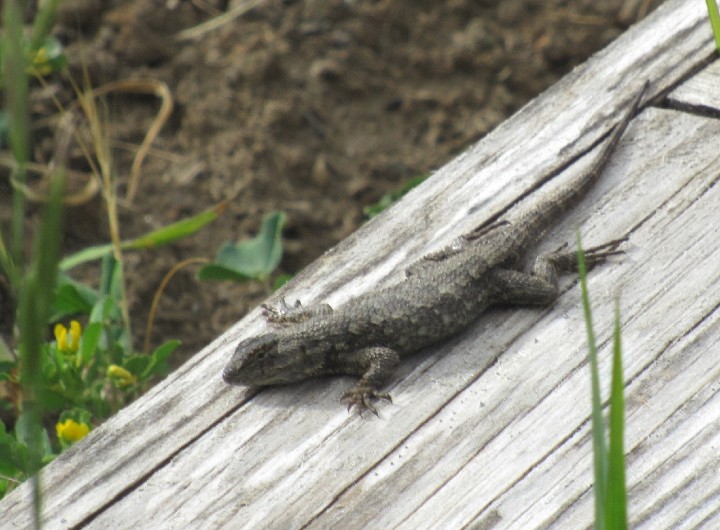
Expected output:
(441, 295)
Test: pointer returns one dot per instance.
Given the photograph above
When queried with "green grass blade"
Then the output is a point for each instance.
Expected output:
(714, 21)
(616, 498)
(34, 308)
(16, 90)
(43, 23)
(598, 431)
(156, 238)
(85, 255)
(175, 231)
(8, 267)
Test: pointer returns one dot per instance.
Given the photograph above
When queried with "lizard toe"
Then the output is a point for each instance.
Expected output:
(362, 397)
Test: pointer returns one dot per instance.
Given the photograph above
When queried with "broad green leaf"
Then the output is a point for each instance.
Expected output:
(249, 260)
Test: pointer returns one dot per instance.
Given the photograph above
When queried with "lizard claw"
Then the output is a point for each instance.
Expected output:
(598, 254)
(362, 397)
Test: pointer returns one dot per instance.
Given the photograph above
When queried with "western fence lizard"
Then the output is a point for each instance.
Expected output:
(441, 295)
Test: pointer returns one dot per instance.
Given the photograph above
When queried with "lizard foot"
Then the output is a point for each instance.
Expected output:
(362, 397)
(283, 313)
(566, 260)
(598, 254)
(292, 314)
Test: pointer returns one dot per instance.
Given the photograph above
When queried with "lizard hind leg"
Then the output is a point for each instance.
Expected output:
(540, 287)
(285, 314)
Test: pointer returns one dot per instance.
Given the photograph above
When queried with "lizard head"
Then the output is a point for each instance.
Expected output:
(258, 361)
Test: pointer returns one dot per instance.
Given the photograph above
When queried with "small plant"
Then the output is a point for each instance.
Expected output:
(254, 259)
(30, 285)
(84, 375)
(610, 488)
(70, 362)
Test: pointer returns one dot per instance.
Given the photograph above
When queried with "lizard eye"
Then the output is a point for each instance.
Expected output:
(263, 347)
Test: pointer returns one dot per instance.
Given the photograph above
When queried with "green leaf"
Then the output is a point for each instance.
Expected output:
(13, 454)
(104, 310)
(77, 414)
(136, 364)
(72, 298)
(158, 359)
(53, 400)
(146, 366)
(88, 343)
(249, 260)
(156, 238)
(110, 275)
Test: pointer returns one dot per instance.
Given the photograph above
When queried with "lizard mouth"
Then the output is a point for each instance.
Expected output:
(229, 375)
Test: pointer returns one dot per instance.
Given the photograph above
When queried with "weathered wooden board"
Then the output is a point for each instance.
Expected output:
(491, 427)
(496, 430)
(701, 91)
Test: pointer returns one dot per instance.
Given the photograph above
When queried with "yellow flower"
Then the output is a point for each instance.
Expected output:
(41, 62)
(61, 336)
(121, 376)
(71, 431)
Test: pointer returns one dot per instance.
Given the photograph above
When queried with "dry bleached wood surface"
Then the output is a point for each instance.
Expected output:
(490, 429)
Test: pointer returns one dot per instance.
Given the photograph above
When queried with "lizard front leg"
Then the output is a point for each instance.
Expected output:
(285, 314)
(541, 285)
(375, 365)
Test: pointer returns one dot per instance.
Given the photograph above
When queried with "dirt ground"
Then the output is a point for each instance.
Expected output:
(315, 107)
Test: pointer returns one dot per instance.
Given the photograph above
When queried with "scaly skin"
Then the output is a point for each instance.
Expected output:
(442, 294)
